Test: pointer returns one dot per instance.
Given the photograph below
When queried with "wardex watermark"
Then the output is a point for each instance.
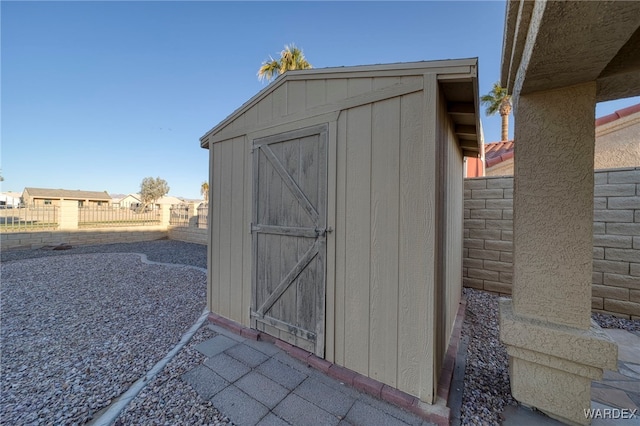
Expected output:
(611, 413)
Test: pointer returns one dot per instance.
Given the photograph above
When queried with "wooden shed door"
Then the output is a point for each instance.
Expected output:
(289, 236)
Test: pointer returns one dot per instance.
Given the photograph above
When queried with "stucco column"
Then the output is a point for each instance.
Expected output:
(554, 348)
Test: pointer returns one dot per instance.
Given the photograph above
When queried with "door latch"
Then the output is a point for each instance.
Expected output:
(322, 232)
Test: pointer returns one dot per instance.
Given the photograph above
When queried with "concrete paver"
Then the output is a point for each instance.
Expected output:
(266, 348)
(228, 367)
(282, 373)
(299, 411)
(362, 414)
(215, 345)
(272, 420)
(254, 382)
(325, 397)
(262, 389)
(247, 355)
(204, 381)
(239, 407)
(390, 409)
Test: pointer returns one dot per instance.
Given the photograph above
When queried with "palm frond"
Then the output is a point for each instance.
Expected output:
(268, 69)
(291, 58)
(495, 99)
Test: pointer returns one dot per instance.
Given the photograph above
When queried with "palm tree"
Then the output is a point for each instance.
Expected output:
(291, 58)
(497, 100)
(204, 191)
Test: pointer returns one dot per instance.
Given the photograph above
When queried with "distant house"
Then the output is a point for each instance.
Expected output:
(9, 199)
(168, 200)
(134, 201)
(46, 196)
(617, 145)
(130, 201)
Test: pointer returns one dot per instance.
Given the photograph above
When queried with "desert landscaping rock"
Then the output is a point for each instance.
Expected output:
(78, 330)
(486, 380)
(80, 326)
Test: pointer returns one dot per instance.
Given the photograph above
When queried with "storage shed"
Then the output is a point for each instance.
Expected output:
(336, 214)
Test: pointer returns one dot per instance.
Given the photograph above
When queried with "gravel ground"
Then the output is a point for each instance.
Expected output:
(486, 380)
(166, 251)
(168, 400)
(125, 315)
(80, 326)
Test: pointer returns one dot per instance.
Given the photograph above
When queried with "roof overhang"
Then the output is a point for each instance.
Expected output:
(553, 44)
(458, 80)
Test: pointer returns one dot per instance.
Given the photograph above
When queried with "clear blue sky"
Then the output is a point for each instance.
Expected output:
(99, 95)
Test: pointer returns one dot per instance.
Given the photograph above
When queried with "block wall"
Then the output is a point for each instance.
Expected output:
(488, 235)
(188, 234)
(34, 240)
(30, 240)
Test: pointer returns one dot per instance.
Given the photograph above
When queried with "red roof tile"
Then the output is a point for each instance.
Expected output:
(497, 152)
(618, 114)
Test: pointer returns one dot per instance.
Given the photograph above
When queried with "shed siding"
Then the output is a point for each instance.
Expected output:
(385, 204)
(455, 228)
(228, 246)
(340, 241)
(416, 250)
(357, 229)
(387, 317)
(451, 228)
(383, 275)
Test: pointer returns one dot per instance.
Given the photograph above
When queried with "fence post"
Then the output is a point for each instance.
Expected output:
(165, 215)
(193, 215)
(68, 218)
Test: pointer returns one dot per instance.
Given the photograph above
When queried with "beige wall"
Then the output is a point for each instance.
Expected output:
(504, 168)
(381, 293)
(618, 143)
(488, 248)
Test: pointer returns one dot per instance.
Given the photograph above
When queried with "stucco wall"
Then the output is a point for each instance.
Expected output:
(488, 235)
(504, 168)
(618, 143)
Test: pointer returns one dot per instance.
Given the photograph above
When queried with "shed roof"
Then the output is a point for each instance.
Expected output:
(458, 80)
(74, 194)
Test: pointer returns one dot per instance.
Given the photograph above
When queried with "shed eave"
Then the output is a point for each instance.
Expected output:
(465, 67)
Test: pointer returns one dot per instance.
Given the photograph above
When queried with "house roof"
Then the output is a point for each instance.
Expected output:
(169, 199)
(497, 152)
(618, 114)
(457, 79)
(73, 194)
